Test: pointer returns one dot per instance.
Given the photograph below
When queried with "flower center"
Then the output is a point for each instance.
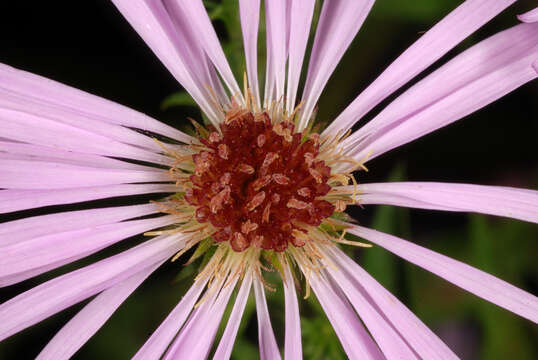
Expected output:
(258, 183)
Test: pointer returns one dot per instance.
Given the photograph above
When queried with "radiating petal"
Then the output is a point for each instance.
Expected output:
(338, 24)
(275, 25)
(37, 175)
(31, 227)
(494, 200)
(38, 130)
(15, 200)
(90, 122)
(353, 337)
(471, 279)
(475, 78)
(21, 151)
(430, 47)
(196, 338)
(24, 259)
(225, 347)
(45, 91)
(73, 335)
(388, 339)
(29, 307)
(530, 16)
(293, 348)
(206, 36)
(300, 20)
(249, 11)
(419, 336)
(266, 337)
(156, 345)
(175, 46)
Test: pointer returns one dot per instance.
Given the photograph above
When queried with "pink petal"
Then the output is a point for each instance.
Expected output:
(37, 175)
(275, 25)
(249, 11)
(389, 340)
(225, 347)
(54, 94)
(206, 36)
(293, 348)
(430, 47)
(339, 22)
(20, 151)
(73, 335)
(300, 21)
(353, 337)
(175, 45)
(27, 104)
(25, 259)
(39, 130)
(495, 200)
(530, 16)
(266, 337)
(31, 227)
(15, 200)
(419, 336)
(475, 78)
(29, 308)
(156, 345)
(195, 339)
(471, 279)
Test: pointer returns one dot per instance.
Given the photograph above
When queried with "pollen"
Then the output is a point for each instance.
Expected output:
(258, 183)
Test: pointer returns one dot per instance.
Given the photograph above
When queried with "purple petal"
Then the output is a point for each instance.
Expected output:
(15, 200)
(353, 337)
(175, 45)
(338, 24)
(266, 337)
(494, 200)
(31, 257)
(29, 308)
(475, 78)
(206, 36)
(389, 340)
(225, 347)
(73, 335)
(293, 348)
(249, 11)
(471, 279)
(300, 21)
(195, 339)
(38, 175)
(39, 130)
(418, 335)
(430, 47)
(156, 345)
(54, 94)
(25, 103)
(20, 151)
(530, 16)
(31, 227)
(275, 25)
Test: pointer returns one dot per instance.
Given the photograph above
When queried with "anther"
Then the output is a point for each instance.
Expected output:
(304, 192)
(260, 140)
(224, 151)
(256, 201)
(281, 179)
(248, 226)
(245, 168)
(297, 204)
(219, 199)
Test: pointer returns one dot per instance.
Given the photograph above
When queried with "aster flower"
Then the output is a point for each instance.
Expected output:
(257, 190)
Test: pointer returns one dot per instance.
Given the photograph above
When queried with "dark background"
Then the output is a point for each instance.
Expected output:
(88, 45)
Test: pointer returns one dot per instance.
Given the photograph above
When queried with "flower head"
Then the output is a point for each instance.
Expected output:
(259, 189)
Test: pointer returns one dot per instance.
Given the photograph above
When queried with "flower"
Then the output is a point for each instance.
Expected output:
(257, 188)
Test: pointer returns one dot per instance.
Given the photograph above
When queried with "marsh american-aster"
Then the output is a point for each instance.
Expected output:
(261, 187)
